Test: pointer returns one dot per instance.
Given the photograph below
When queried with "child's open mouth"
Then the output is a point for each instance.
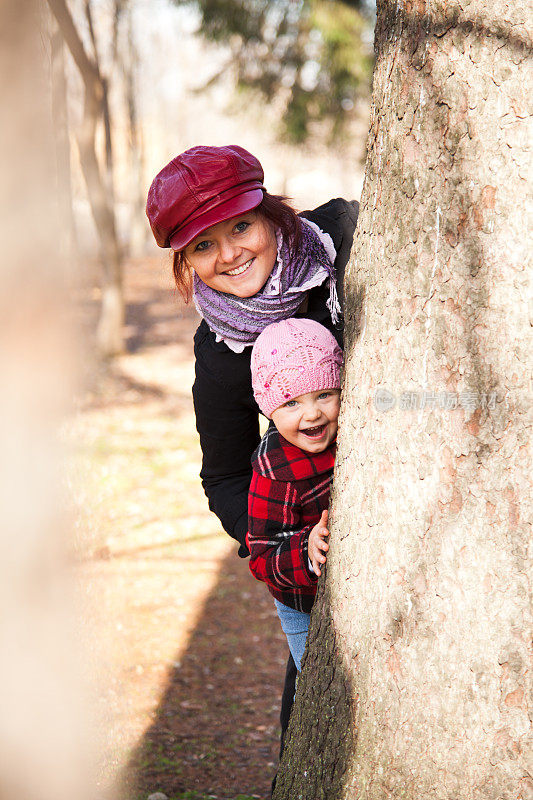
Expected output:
(314, 433)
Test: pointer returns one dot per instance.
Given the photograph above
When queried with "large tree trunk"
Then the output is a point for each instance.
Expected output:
(417, 682)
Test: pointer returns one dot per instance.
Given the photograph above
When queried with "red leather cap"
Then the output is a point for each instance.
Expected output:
(199, 188)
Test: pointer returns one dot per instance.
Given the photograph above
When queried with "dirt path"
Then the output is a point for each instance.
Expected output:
(185, 644)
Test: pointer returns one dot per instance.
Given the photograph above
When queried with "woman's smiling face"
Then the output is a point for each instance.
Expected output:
(235, 256)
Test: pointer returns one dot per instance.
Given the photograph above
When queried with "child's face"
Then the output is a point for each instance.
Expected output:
(309, 421)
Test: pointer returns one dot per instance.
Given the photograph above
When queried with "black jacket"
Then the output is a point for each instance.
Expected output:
(227, 416)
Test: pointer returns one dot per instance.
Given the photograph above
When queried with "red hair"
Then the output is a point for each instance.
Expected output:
(275, 210)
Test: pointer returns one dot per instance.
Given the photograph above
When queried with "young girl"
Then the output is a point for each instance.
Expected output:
(296, 366)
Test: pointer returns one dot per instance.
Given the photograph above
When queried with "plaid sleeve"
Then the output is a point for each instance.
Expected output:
(278, 546)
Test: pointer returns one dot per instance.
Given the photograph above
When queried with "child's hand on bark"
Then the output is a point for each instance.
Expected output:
(317, 546)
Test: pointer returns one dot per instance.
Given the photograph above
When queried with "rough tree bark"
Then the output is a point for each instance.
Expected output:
(110, 325)
(417, 681)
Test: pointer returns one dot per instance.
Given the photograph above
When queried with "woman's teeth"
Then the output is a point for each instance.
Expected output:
(239, 270)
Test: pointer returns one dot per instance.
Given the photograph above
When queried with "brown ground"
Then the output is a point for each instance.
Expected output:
(185, 644)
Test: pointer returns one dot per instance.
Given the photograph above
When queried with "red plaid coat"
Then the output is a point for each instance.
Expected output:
(289, 490)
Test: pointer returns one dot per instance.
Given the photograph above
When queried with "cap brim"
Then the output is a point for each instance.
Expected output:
(230, 208)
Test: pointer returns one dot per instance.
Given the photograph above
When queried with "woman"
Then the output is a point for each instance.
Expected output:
(248, 260)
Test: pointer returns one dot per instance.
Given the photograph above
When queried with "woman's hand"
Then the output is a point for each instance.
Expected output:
(317, 546)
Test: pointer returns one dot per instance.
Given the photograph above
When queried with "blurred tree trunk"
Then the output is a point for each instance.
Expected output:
(67, 232)
(126, 63)
(106, 111)
(139, 229)
(44, 736)
(110, 326)
(417, 683)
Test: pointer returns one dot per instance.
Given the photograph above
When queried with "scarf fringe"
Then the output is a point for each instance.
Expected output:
(332, 302)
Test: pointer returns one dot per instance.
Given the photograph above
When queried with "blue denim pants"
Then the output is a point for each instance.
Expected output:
(295, 625)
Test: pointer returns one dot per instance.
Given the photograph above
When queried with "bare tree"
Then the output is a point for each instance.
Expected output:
(125, 57)
(99, 183)
(67, 232)
(105, 109)
(417, 681)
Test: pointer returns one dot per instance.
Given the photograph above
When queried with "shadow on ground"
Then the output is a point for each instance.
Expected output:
(214, 726)
(216, 730)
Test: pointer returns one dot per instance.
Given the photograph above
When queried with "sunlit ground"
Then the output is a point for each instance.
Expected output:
(148, 551)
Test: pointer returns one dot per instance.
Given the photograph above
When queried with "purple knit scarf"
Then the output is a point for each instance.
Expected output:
(239, 321)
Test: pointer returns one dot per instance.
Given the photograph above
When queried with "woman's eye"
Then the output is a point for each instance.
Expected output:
(290, 404)
(202, 245)
(241, 226)
(324, 395)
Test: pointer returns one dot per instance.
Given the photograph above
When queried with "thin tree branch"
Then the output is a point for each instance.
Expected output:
(87, 67)
(89, 18)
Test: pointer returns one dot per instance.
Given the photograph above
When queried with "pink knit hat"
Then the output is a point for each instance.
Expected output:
(293, 357)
